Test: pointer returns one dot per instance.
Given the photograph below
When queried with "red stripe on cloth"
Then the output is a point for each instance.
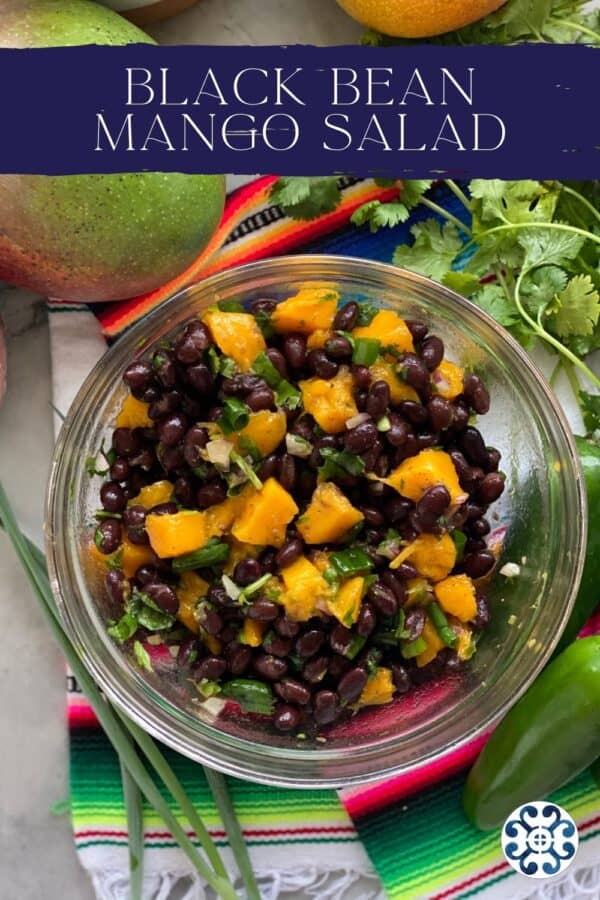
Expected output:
(216, 832)
(482, 876)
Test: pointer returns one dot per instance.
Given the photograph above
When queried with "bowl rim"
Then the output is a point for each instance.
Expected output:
(142, 709)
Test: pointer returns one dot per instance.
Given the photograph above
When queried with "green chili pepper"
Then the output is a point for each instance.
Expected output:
(366, 351)
(211, 554)
(441, 625)
(550, 736)
(234, 417)
(253, 696)
(350, 562)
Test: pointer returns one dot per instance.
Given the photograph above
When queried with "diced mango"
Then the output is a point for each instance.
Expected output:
(311, 309)
(465, 647)
(252, 632)
(265, 515)
(320, 559)
(318, 338)
(221, 516)
(179, 533)
(237, 335)
(190, 590)
(304, 587)
(434, 644)
(265, 429)
(456, 596)
(379, 689)
(133, 414)
(418, 592)
(331, 401)
(382, 370)
(417, 474)
(434, 556)
(133, 556)
(329, 515)
(388, 328)
(153, 494)
(345, 606)
(448, 380)
(209, 640)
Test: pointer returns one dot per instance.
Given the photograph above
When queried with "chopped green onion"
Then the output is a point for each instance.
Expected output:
(142, 656)
(247, 469)
(413, 648)
(254, 587)
(234, 417)
(441, 624)
(401, 632)
(208, 688)
(263, 366)
(211, 554)
(366, 351)
(101, 514)
(249, 448)
(351, 562)
(356, 645)
(230, 305)
(460, 539)
(384, 424)
(253, 696)
(214, 361)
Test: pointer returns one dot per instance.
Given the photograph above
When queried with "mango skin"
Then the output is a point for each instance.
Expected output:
(97, 237)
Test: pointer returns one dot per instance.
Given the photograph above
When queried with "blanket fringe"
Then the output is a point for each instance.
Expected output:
(576, 885)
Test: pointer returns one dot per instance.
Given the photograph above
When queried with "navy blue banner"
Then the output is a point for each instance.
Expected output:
(418, 111)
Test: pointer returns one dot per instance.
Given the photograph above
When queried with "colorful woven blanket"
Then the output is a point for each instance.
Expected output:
(405, 837)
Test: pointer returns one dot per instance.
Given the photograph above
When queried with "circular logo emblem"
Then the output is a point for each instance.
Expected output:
(540, 839)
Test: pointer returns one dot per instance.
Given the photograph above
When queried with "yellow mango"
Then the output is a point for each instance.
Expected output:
(153, 494)
(133, 414)
(329, 515)
(433, 641)
(417, 474)
(331, 401)
(209, 640)
(311, 309)
(456, 596)
(388, 328)
(345, 606)
(448, 380)
(418, 592)
(236, 335)
(179, 533)
(434, 556)
(379, 689)
(382, 370)
(265, 429)
(133, 556)
(303, 587)
(221, 516)
(252, 632)
(318, 338)
(190, 589)
(465, 647)
(265, 515)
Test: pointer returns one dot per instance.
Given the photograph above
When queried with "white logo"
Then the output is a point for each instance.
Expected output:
(540, 839)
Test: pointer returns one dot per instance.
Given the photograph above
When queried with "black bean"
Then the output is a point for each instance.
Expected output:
(107, 536)
(263, 610)
(415, 412)
(146, 574)
(287, 627)
(315, 669)
(270, 667)
(460, 416)
(395, 584)
(493, 461)
(409, 448)
(294, 349)
(340, 639)
(378, 399)
(483, 617)
(478, 564)
(292, 691)
(401, 678)
(473, 545)
(241, 384)
(125, 441)
(210, 620)
(267, 560)
(192, 344)
(338, 667)
(326, 707)
(211, 668)
(164, 509)
(476, 394)
(406, 570)
(119, 470)
(143, 459)
(346, 316)
(112, 497)
(218, 595)
(247, 571)
(286, 717)
(367, 620)
(211, 493)
(362, 378)
(338, 348)
(196, 438)
(310, 642)
(396, 509)
(289, 553)
(490, 488)
(261, 398)
(351, 684)
(264, 306)
(239, 657)
(433, 502)
(164, 596)
(117, 587)
(432, 352)
(134, 520)
(199, 378)
(473, 446)
(171, 458)
(478, 528)
(278, 646)
(171, 429)
(319, 363)
(361, 438)
(286, 472)
(303, 428)
(383, 598)
(417, 329)
(415, 373)
(150, 394)
(382, 465)
(373, 517)
(463, 469)
(137, 376)
(165, 404)
(278, 360)
(183, 489)
(374, 535)
(415, 622)
(440, 413)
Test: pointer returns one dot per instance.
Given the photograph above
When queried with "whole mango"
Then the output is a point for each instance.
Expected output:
(418, 18)
(96, 237)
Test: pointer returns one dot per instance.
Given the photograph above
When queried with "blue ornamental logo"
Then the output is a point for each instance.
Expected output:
(540, 839)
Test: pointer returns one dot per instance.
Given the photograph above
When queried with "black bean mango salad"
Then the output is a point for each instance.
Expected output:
(295, 512)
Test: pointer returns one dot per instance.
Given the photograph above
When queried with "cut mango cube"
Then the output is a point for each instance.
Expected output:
(176, 534)
(448, 380)
(331, 401)
(221, 516)
(434, 644)
(318, 338)
(381, 370)
(379, 689)
(311, 309)
(417, 474)
(264, 518)
(433, 556)
(153, 494)
(190, 590)
(237, 335)
(134, 414)
(133, 556)
(456, 596)
(265, 429)
(304, 586)
(329, 515)
(252, 632)
(345, 606)
(388, 328)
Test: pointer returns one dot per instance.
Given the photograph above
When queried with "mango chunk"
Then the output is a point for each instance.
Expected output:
(465, 647)
(345, 606)
(329, 515)
(311, 309)
(456, 596)
(264, 518)
(236, 335)
(318, 338)
(330, 402)
(190, 590)
(252, 632)
(304, 586)
(265, 429)
(434, 644)
(448, 380)
(133, 414)
(388, 328)
(133, 556)
(382, 370)
(153, 494)
(379, 689)
(179, 533)
(209, 640)
(433, 556)
(417, 474)
(418, 592)
(221, 516)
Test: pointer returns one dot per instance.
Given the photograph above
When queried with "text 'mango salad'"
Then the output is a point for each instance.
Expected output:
(295, 512)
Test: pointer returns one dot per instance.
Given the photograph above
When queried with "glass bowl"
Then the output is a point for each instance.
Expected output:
(541, 517)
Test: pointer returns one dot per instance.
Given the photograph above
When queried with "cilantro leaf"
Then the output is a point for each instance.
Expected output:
(125, 628)
(550, 247)
(412, 191)
(541, 286)
(366, 314)
(492, 299)
(302, 197)
(339, 463)
(380, 215)
(434, 250)
(576, 309)
(142, 656)
(590, 408)
(462, 282)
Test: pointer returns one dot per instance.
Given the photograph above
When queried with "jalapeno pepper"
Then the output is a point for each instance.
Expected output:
(550, 736)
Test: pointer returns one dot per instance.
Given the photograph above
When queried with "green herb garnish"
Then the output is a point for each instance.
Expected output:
(247, 469)
(230, 305)
(366, 351)
(460, 539)
(410, 649)
(339, 463)
(263, 367)
(351, 562)
(253, 696)
(366, 314)
(142, 656)
(234, 417)
(441, 624)
(213, 553)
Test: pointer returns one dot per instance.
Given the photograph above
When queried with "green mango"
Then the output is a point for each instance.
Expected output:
(96, 237)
